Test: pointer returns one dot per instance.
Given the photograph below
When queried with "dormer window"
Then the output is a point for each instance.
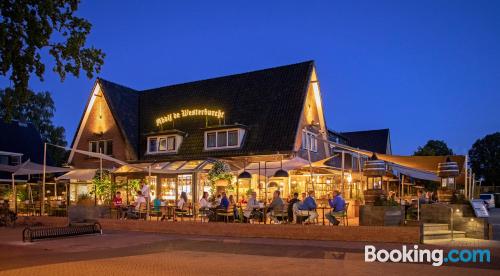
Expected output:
(164, 144)
(224, 138)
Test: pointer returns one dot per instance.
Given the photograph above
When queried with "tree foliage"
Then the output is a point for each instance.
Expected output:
(434, 148)
(38, 108)
(28, 27)
(485, 158)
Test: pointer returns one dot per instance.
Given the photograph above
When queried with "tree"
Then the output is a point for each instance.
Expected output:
(434, 148)
(28, 27)
(485, 158)
(38, 109)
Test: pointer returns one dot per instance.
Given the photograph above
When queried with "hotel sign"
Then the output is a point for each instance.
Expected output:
(170, 117)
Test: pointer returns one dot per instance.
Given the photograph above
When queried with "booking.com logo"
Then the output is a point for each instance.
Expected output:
(435, 256)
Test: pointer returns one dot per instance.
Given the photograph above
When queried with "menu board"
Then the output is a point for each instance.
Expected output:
(479, 208)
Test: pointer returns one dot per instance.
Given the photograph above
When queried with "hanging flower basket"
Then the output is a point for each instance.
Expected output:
(220, 176)
(221, 183)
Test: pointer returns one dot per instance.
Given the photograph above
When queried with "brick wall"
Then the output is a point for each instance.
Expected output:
(311, 232)
(101, 125)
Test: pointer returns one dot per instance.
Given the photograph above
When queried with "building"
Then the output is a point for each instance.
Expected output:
(256, 119)
(260, 122)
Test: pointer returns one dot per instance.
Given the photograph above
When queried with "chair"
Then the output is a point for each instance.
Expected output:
(343, 216)
(155, 212)
(302, 216)
(228, 213)
(181, 213)
(142, 214)
(281, 214)
(203, 214)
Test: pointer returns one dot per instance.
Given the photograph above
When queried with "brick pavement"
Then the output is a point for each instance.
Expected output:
(155, 253)
(209, 263)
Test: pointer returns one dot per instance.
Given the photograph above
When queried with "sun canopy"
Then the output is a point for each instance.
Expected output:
(166, 167)
(29, 167)
(78, 175)
(272, 167)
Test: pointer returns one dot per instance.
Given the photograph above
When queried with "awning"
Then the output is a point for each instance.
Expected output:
(174, 167)
(78, 175)
(29, 167)
(272, 167)
(397, 170)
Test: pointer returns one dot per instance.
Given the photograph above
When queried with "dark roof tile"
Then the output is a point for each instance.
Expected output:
(372, 140)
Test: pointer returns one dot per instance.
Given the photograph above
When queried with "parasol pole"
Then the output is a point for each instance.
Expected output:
(43, 177)
(14, 193)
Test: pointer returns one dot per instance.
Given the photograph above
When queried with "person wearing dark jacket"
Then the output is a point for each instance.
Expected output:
(224, 202)
(338, 206)
(292, 201)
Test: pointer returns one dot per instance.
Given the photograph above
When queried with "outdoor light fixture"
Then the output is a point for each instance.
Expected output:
(245, 175)
(281, 172)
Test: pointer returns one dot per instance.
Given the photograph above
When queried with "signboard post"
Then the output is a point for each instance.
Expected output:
(479, 208)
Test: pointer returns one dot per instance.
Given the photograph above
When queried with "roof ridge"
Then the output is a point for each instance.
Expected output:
(117, 84)
(357, 131)
(227, 76)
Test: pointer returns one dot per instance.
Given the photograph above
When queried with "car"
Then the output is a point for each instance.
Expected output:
(489, 200)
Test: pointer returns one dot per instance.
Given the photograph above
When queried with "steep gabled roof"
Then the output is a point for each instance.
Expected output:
(268, 102)
(124, 105)
(377, 140)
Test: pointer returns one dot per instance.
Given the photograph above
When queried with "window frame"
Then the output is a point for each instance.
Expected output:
(310, 141)
(107, 145)
(174, 139)
(240, 133)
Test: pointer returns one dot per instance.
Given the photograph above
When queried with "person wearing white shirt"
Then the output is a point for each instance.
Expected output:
(204, 204)
(133, 211)
(251, 205)
(182, 202)
(140, 200)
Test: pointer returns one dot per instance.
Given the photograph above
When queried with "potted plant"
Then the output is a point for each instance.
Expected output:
(372, 195)
(220, 176)
(84, 200)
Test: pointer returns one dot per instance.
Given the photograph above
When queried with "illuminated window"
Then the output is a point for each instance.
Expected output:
(224, 139)
(101, 146)
(211, 140)
(171, 143)
(310, 141)
(163, 144)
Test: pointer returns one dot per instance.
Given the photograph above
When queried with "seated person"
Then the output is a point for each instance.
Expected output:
(232, 202)
(291, 203)
(135, 208)
(204, 204)
(156, 205)
(118, 204)
(243, 200)
(338, 207)
(182, 203)
(276, 207)
(224, 202)
(308, 208)
(252, 204)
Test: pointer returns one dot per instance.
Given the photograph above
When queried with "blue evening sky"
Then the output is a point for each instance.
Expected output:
(424, 69)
